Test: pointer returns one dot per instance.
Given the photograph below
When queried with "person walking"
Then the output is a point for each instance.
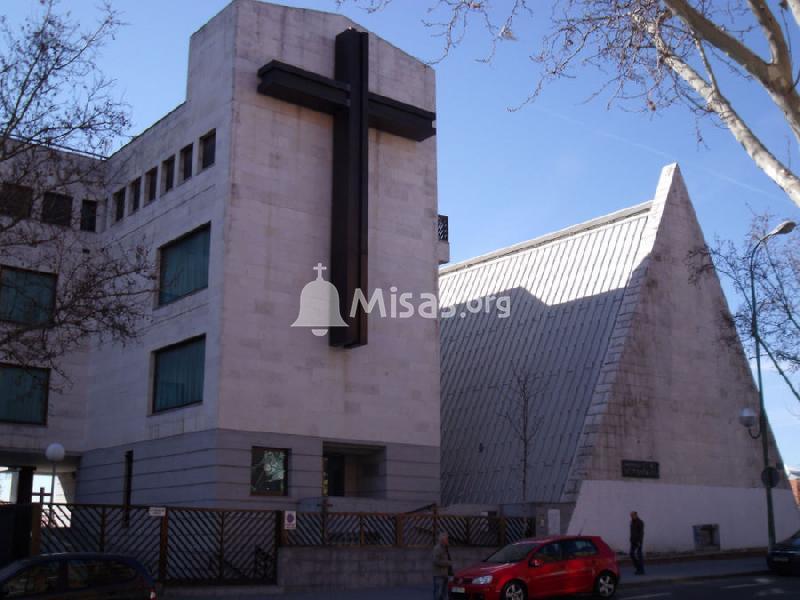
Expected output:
(637, 541)
(442, 568)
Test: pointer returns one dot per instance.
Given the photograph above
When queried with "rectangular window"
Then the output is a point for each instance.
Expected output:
(26, 297)
(119, 205)
(208, 149)
(151, 184)
(16, 200)
(168, 173)
(57, 209)
(184, 266)
(179, 372)
(23, 394)
(269, 471)
(186, 163)
(89, 215)
(136, 194)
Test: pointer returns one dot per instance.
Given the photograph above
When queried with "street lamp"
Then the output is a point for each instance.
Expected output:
(55, 454)
(747, 417)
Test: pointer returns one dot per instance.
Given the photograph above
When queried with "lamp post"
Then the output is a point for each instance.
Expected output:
(747, 416)
(55, 454)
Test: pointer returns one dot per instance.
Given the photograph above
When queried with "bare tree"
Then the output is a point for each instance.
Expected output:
(776, 272)
(59, 286)
(521, 417)
(655, 54)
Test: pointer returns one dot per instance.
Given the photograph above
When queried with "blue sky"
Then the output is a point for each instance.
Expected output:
(503, 176)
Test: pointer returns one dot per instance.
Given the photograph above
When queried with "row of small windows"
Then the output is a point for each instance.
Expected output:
(16, 201)
(28, 298)
(144, 190)
(179, 373)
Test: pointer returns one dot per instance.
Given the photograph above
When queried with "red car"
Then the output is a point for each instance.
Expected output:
(553, 566)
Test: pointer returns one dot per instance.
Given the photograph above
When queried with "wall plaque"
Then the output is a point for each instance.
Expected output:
(641, 469)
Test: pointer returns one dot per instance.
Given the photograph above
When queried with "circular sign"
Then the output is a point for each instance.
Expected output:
(770, 477)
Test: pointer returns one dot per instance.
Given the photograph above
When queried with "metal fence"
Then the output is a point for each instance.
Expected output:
(213, 546)
(412, 530)
(177, 545)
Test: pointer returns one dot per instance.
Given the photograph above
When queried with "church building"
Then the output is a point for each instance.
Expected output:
(604, 386)
(304, 150)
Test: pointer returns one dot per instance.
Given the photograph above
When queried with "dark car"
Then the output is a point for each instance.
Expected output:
(785, 556)
(541, 568)
(77, 576)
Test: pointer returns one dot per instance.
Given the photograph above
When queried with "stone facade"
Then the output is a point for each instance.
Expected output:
(626, 363)
(267, 200)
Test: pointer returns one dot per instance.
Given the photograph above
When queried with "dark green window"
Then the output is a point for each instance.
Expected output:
(16, 200)
(168, 173)
(57, 209)
(151, 184)
(184, 266)
(208, 149)
(186, 163)
(179, 372)
(23, 394)
(269, 471)
(136, 194)
(119, 205)
(89, 215)
(26, 296)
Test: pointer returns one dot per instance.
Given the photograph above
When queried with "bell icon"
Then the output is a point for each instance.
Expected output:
(319, 305)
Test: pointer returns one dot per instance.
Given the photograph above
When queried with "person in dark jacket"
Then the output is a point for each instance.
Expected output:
(637, 541)
(442, 568)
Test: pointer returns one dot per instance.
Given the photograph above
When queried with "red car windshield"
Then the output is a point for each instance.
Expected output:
(512, 553)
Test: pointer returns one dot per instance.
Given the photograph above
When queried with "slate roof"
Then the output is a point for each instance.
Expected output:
(565, 289)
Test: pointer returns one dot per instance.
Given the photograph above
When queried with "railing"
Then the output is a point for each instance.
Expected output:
(409, 530)
(213, 546)
(443, 228)
(177, 545)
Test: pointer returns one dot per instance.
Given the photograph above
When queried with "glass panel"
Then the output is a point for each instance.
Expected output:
(89, 215)
(169, 173)
(23, 394)
(186, 162)
(150, 184)
(119, 205)
(38, 579)
(16, 200)
(26, 297)
(136, 194)
(511, 553)
(57, 209)
(96, 573)
(268, 471)
(179, 375)
(184, 266)
(208, 149)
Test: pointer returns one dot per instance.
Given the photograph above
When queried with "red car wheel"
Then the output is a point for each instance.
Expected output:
(514, 590)
(606, 585)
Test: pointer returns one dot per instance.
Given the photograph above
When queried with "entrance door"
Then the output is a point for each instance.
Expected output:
(333, 474)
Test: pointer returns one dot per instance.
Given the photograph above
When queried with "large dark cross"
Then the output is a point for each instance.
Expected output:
(355, 109)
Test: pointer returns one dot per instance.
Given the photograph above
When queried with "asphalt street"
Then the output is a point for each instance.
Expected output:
(728, 588)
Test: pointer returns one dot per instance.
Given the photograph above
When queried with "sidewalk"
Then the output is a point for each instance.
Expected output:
(663, 572)
(659, 572)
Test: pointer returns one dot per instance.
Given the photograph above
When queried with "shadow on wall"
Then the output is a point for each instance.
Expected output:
(560, 349)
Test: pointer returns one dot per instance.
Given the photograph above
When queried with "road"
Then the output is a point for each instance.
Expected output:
(729, 588)
(733, 588)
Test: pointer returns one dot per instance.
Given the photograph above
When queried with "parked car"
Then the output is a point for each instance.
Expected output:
(785, 556)
(541, 568)
(76, 576)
